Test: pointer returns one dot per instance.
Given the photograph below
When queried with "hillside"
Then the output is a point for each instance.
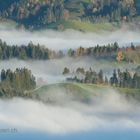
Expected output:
(64, 92)
(63, 14)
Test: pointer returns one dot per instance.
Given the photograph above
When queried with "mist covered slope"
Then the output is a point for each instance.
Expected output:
(65, 92)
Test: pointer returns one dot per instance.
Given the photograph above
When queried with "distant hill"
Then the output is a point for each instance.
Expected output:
(61, 14)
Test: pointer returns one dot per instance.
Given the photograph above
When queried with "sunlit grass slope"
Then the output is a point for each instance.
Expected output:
(81, 92)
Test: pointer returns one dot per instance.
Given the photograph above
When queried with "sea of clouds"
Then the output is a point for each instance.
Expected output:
(109, 111)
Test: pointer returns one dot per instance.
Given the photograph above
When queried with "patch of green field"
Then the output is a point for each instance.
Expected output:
(87, 26)
(71, 90)
(79, 92)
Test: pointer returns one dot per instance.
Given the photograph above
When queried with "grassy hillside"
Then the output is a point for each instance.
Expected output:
(89, 27)
(79, 92)
(67, 91)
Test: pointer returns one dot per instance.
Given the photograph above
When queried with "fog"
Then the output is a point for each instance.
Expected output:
(47, 72)
(108, 111)
(68, 38)
(50, 71)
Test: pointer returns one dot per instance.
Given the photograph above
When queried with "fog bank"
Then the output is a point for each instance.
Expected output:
(108, 111)
(50, 71)
(68, 38)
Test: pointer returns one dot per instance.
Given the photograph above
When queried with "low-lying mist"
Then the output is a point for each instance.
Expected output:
(108, 110)
(50, 71)
(68, 38)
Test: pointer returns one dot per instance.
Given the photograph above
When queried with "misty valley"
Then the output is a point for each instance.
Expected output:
(69, 84)
(18, 83)
(89, 88)
(70, 69)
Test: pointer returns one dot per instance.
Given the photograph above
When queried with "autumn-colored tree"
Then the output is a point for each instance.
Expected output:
(120, 56)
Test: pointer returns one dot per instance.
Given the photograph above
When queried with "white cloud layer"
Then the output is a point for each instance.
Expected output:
(67, 39)
(109, 111)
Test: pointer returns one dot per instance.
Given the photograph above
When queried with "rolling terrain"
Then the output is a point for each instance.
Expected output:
(79, 92)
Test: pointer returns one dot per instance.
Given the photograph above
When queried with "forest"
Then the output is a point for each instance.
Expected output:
(16, 83)
(36, 14)
(110, 52)
(30, 51)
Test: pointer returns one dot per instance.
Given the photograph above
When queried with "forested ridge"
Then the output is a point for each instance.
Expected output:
(110, 52)
(35, 14)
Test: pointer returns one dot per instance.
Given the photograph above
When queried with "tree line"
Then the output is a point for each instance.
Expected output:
(30, 51)
(122, 79)
(125, 79)
(38, 52)
(112, 51)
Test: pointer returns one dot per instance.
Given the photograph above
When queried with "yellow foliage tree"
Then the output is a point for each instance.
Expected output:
(120, 56)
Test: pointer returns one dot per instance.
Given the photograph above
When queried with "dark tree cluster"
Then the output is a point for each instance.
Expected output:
(88, 76)
(35, 14)
(125, 79)
(99, 51)
(106, 51)
(29, 51)
(110, 10)
(122, 79)
(15, 83)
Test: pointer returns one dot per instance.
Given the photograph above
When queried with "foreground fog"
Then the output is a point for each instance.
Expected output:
(67, 39)
(51, 71)
(108, 111)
